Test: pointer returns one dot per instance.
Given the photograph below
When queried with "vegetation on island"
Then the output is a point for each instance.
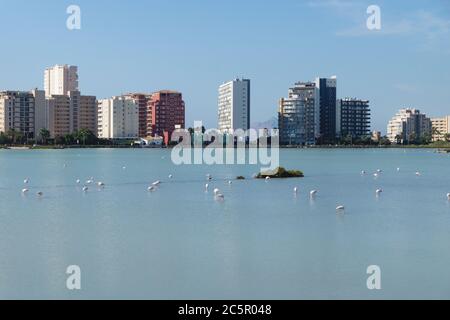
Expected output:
(240, 178)
(280, 173)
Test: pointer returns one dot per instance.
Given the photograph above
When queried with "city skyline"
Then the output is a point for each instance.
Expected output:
(312, 114)
(398, 66)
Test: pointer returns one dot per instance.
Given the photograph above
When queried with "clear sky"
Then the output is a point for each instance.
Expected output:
(195, 45)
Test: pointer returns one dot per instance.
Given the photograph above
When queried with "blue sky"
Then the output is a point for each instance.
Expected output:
(193, 46)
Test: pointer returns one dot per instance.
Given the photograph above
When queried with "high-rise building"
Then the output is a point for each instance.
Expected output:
(408, 125)
(441, 128)
(118, 118)
(299, 117)
(60, 121)
(234, 106)
(352, 118)
(87, 114)
(71, 112)
(23, 112)
(328, 97)
(165, 114)
(142, 100)
(60, 79)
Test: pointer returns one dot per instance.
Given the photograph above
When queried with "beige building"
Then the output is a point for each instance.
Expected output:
(23, 112)
(71, 112)
(118, 118)
(407, 124)
(441, 127)
(67, 110)
(59, 123)
(60, 79)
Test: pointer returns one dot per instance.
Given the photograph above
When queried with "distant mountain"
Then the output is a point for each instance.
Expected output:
(269, 124)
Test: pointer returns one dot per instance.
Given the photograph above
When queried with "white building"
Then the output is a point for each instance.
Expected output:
(23, 111)
(408, 124)
(60, 79)
(118, 118)
(441, 127)
(299, 115)
(234, 106)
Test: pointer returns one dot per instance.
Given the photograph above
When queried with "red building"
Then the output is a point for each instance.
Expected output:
(165, 113)
(142, 99)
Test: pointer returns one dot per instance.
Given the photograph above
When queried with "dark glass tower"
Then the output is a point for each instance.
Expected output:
(328, 93)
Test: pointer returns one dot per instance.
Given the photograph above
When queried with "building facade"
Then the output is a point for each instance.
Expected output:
(60, 79)
(352, 118)
(234, 106)
(440, 128)
(328, 96)
(142, 100)
(23, 112)
(408, 125)
(166, 113)
(299, 115)
(71, 112)
(118, 118)
(59, 115)
(87, 114)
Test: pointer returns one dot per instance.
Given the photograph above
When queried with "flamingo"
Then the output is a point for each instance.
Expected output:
(220, 197)
(340, 209)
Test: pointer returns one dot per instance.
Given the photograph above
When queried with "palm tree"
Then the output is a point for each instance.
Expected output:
(82, 135)
(435, 132)
(447, 137)
(15, 135)
(45, 135)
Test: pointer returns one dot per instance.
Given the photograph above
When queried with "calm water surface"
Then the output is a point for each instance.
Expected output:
(262, 242)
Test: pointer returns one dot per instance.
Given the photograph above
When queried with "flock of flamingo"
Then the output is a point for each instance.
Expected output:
(218, 195)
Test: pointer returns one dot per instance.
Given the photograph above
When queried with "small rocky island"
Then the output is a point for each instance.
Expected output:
(280, 173)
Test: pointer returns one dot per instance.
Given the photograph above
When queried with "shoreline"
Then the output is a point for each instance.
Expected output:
(445, 148)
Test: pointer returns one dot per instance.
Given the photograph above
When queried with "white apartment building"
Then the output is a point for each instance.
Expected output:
(118, 118)
(407, 123)
(299, 115)
(441, 127)
(60, 79)
(23, 112)
(234, 106)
